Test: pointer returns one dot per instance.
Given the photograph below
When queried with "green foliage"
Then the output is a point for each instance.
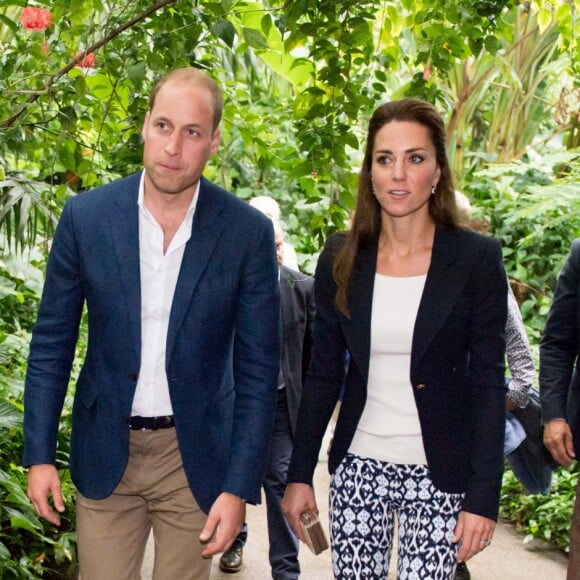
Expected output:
(20, 285)
(301, 78)
(29, 547)
(546, 517)
(533, 208)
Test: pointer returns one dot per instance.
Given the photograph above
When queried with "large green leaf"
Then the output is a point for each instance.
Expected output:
(10, 416)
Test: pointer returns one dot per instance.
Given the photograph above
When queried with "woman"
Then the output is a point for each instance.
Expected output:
(420, 305)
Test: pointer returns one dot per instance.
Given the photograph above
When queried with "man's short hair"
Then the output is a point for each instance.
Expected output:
(194, 77)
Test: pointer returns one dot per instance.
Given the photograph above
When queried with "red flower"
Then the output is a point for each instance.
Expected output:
(36, 19)
(427, 73)
(88, 61)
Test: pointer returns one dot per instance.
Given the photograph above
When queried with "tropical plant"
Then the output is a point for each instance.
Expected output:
(546, 517)
(502, 101)
(29, 547)
(301, 78)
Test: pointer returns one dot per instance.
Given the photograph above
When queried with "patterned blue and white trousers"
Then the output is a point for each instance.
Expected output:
(366, 496)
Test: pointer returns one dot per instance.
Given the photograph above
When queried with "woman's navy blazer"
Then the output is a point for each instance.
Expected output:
(457, 365)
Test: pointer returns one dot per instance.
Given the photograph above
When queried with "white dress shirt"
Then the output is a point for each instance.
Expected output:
(159, 272)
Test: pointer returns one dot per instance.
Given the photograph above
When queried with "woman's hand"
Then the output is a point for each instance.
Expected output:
(475, 534)
(299, 498)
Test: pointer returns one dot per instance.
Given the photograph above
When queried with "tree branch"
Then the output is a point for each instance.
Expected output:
(93, 48)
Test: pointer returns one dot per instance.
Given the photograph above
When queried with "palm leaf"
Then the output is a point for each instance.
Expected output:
(10, 416)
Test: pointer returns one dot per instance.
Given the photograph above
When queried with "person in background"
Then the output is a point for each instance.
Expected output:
(420, 305)
(174, 403)
(297, 314)
(519, 357)
(269, 206)
(560, 383)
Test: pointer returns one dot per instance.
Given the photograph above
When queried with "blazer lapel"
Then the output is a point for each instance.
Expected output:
(444, 283)
(206, 229)
(125, 236)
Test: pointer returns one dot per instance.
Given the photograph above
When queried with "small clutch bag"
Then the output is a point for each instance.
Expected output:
(313, 533)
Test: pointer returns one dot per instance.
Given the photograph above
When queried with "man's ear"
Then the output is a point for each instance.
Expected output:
(145, 123)
(215, 141)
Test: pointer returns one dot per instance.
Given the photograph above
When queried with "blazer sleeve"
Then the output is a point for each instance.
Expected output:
(52, 347)
(559, 342)
(488, 391)
(325, 374)
(256, 366)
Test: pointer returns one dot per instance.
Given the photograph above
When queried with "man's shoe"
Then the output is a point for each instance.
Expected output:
(231, 561)
(462, 573)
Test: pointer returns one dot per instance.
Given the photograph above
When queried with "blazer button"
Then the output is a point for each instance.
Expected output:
(133, 377)
(421, 385)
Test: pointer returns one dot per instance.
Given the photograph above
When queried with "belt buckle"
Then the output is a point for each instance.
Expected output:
(162, 422)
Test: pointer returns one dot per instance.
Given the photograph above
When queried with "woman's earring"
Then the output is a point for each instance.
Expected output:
(433, 189)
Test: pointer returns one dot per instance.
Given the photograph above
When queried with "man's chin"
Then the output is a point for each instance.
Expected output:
(168, 187)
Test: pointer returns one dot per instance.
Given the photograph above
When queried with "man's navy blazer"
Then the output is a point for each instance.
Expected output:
(222, 357)
(297, 305)
(560, 350)
(457, 365)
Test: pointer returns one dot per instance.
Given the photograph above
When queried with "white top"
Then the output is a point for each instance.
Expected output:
(389, 428)
(159, 274)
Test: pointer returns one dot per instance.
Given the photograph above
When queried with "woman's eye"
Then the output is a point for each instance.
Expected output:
(383, 160)
(416, 158)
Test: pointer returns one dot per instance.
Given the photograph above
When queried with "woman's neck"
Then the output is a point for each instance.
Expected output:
(404, 250)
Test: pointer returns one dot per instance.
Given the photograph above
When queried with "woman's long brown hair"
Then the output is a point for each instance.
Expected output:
(366, 223)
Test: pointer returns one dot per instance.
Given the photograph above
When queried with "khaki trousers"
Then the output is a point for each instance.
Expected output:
(153, 494)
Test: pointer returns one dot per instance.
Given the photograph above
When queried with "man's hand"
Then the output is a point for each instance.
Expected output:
(225, 520)
(299, 498)
(558, 440)
(475, 534)
(43, 481)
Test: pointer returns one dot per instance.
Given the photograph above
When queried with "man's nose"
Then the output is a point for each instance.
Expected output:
(173, 145)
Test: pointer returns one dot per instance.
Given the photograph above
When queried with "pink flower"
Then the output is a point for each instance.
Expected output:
(88, 61)
(427, 73)
(35, 19)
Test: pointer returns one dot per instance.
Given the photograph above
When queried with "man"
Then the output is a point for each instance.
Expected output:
(269, 206)
(174, 404)
(560, 383)
(297, 312)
